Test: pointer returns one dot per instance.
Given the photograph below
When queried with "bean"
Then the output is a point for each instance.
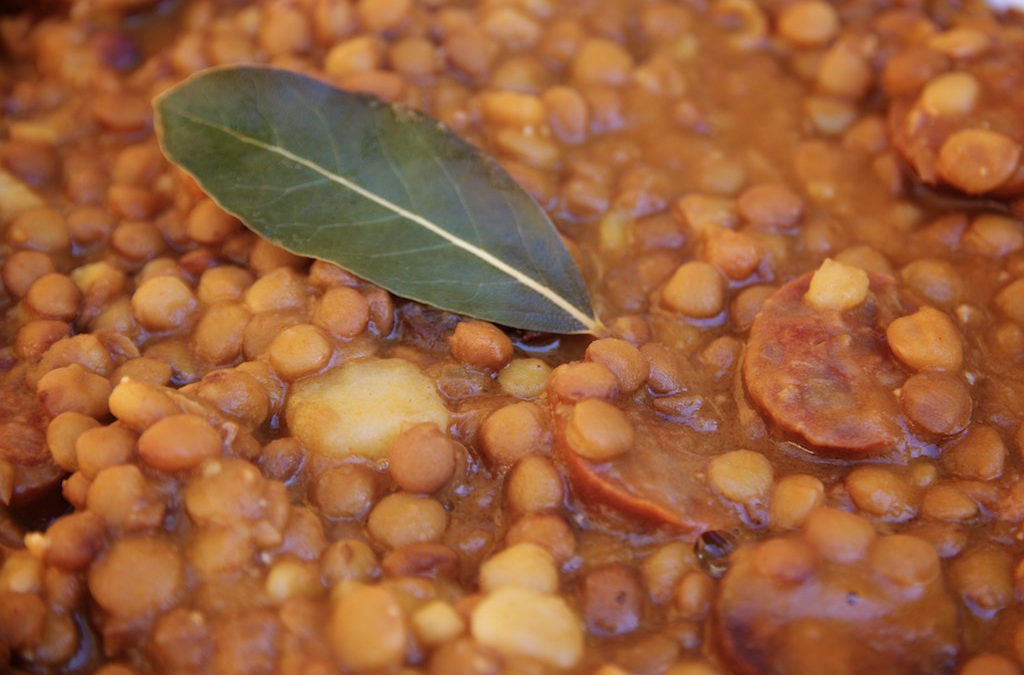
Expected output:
(73, 388)
(624, 360)
(300, 350)
(181, 640)
(513, 432)
(844, 72)
(598, 430)
(926, 340)
(464, 656)
(511, 108)
(345, 491)
(219, 334)
(794, 498)
(41, 229)
(808, 23)
(470, 51)
(125, 500)
(612, 600)
(990, 664)
(179, 443)
(935, 280)
(770, 206)
(100, 447)
(567, 114)
(137, 577)
(333, 20)
(736, 254)
(994, 236)
(401, 519)
(367, 629)
(207, 223)
(747, 304)
(383, 16)
(880, 492)
(481, 345)
(61, 435)
(23, 268)
(947, 502)
(984, 579)
(904, 559)
(224, 283)
(164, 303)
(839, 536)
(34, 338)
(414, 58)
(742, 476)
(353, 55)
(437, 623)
(279, 289)
(524, 378)
(979, 455)
(978, 160)
(694, 595)
(696, 289)
(666, 372)
(534, 484)
(349, 559)
(236, 393)
(290, 579)
(422, 458)
(73, 541)
(951, 94)
(960, 42)
(53, 296)
(601, 61)
(547, 530)
(245, 642)
(785, 561)
(285, 29)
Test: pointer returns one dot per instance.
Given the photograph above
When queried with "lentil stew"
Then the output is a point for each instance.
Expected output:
(801, 442)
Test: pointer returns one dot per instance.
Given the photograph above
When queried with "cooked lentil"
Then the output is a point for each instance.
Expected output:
(800, 444)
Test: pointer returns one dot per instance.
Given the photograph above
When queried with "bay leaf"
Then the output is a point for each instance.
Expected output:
(384, 191)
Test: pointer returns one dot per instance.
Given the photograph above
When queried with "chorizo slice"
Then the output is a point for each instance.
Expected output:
(658, 482)
(828, 376)
(784, 607)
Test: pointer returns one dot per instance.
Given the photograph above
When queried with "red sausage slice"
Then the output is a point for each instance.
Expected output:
(790, 612)
(828, 376)
(659, 481)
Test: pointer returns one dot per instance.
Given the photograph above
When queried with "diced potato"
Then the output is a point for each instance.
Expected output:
(437, 622)
(15, 196)
(518, 621)
(837, 286)
(359, 407)
(524, 564)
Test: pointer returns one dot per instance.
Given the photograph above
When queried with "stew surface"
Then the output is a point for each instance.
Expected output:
(800, 446)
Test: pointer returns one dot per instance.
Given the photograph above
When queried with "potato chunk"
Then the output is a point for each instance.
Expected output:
(837, 286)
(359, 407)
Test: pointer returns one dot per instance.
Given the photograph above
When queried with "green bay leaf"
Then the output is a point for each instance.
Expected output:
(384, 191)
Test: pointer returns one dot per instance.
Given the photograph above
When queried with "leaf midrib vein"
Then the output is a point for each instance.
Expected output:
(539, 288)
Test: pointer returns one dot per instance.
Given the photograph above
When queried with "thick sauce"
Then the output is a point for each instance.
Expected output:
(799, 449)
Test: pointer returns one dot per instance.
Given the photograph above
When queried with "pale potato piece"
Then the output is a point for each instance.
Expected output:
(15, 196)
(837, 286)
(359, 407)
(519, 621)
